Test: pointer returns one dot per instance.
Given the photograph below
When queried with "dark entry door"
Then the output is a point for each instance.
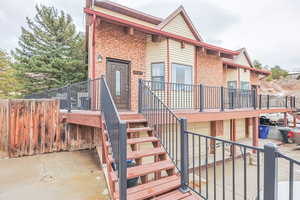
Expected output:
(118, 82)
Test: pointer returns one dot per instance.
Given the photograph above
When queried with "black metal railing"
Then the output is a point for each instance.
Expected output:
(84, 95)
(117, 132)
(166, 126)
(223, 169)
(178, 96)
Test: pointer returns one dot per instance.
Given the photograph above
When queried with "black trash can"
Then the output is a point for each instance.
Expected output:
(134, 181)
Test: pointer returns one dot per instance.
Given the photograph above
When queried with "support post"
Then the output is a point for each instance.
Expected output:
(201, 98)
(255, 132)
(222, 98)
(69, 98)
(285, 120)
(140, 96)
(268, 102)
(184, 155)
(286, 101)
(270, 172)
(122, 161)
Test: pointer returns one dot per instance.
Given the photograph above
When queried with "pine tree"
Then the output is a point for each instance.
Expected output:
(10, 85)
(51, 52)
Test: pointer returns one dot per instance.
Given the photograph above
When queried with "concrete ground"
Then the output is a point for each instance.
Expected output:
(61, 176)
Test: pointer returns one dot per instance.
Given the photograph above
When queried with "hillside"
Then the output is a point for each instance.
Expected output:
(284, 86)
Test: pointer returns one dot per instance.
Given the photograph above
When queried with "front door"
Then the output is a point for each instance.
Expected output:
(117, 74)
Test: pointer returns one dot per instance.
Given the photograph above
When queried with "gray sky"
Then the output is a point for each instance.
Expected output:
(269, 29)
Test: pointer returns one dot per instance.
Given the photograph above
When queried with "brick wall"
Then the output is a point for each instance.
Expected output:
(209, 69)
(113, 42)
(254, 79)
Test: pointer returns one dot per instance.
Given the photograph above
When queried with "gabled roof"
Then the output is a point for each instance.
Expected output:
(156, 31)
(128, 11)
(181, 10)
(244, 51)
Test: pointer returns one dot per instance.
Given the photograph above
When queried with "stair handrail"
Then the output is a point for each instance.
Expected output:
(117, 133)
(168, 128)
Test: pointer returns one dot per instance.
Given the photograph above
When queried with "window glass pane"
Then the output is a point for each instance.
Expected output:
(157, 69)
(245, 85)
(118, 83)
(232, 84)
(181, 74)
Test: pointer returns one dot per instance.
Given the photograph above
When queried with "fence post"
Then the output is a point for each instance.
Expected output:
(89, 94)
(122, 161)
(201, 98)
(69, 98)
(184, 155)
(260, 98)
(286, 101)
(294, 105)
(222, 98)
(140, 96)
(268, 101)
(254, 99)
(270, 172)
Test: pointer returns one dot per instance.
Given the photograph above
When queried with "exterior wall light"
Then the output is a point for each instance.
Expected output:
(99, 58)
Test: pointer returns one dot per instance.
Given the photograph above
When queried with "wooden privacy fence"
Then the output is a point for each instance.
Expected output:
(31, 127)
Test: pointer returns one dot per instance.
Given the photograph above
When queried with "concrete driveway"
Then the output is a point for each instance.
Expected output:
(61, 176)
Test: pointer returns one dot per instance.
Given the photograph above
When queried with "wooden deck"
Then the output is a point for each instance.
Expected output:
(93, 118)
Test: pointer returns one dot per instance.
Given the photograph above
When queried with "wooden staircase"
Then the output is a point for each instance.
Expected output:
(156, 173)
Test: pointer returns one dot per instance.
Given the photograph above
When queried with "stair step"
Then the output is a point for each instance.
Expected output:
(153, 188)
(135, 121)
(141, 140)
(145, 153)
(138, 130)
(141, 154)
(174, 195)
(148, 168)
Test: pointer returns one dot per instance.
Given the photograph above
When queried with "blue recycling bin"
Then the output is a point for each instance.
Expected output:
(263, 131)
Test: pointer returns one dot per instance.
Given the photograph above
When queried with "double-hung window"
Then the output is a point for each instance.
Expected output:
(157, 76)
(181, 74)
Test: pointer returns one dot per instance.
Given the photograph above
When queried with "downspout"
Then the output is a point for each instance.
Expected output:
(94, 48)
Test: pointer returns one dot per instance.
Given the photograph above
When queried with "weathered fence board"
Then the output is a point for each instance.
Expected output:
(4, 124)
(30, 127)
(34, 127)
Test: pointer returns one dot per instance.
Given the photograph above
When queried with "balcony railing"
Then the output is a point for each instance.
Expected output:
(178, 96)
(86, 96)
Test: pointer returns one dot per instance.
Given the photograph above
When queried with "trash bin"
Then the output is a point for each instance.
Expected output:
(134, 181)
(263, 131)
(284, 132)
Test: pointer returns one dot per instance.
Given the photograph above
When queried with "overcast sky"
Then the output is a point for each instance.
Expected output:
(269, 29)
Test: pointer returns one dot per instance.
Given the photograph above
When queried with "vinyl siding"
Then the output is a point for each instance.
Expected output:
(240, 129)
(115, 14)
(245, 75)
(232, 75)
(178, 26)
(184, 56)
(156, 52)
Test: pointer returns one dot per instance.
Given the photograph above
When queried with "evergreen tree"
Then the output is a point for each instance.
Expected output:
(10, 86)
(51, 52)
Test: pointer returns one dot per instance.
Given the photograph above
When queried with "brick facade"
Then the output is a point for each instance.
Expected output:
(113, 42)
(209, 69)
